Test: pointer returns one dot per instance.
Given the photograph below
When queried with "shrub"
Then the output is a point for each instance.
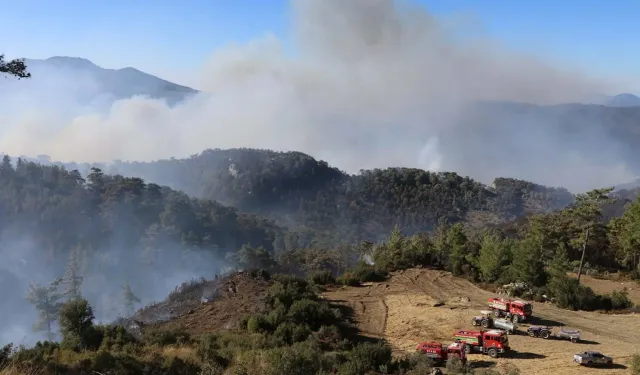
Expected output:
(257, 323)
(365, 272)
(569, 294)
(368, 356)
(348, 279)
(291, 333)
(634, 366)
(620, 299)
(323, 278)
(165, 337)
(312, 313)
(76, 324)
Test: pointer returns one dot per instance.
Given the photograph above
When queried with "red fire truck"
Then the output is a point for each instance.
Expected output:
(492, 342)
(440, 353)
(517, 311)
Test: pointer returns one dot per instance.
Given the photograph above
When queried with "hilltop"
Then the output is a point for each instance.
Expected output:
(113, 84)
(304, 193)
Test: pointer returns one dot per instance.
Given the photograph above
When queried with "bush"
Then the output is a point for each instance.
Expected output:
(634, 366)
(165, 337)
(455, 366)
(299, 359)
(76, 324)
(257, 323)
(323, 278)
(291, 333)
(288, 289)
(365, 273)
(348, 279)
(569, 294)
(313, 314)
(620, 299)
(367, 356)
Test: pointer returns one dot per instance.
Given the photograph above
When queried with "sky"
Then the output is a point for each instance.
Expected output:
(171, 38)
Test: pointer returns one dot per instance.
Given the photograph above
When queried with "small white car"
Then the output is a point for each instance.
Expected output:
(590, 358)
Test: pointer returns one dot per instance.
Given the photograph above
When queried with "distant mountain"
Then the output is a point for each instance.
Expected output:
(620, 100)
(112, 83)
(623, 100)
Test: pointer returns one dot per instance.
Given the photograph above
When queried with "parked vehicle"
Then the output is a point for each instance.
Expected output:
(540, 331)
(546, 332)
(440, 354)
(514, 310)
(573, 336)
(491, 342)
(487, 321)
(590, 358)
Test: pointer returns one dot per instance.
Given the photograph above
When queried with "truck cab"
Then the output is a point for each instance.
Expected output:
(440, 354)
(491, 342)
(516, 310)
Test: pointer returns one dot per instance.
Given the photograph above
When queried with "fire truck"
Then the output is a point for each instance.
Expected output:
(491, 342)
(440, 353)
(515, 310)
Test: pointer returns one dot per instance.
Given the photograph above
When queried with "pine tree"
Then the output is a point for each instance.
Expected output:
(73, 275)
(560, 263)
(47, 301)
(130, 300)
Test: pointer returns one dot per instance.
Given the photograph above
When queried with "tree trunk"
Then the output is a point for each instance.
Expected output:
(584, 250)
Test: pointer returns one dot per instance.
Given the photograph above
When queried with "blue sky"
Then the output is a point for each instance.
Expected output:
(166, 37)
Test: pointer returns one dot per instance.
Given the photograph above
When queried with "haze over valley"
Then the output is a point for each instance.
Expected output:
(374, 138)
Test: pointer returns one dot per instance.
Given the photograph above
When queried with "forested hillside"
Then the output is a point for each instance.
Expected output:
(113, 229)
(299, 191)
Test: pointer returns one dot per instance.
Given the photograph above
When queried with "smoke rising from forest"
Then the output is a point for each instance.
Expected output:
(104, 276)
(372, 84)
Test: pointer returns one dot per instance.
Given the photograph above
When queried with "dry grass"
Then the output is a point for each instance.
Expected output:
(14, 371)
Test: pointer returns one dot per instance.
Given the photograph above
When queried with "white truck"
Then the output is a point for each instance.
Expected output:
(591, 358)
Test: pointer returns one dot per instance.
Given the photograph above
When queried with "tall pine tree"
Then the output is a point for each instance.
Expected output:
(47, 301)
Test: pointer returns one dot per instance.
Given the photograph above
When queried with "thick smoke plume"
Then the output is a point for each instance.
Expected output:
(372, 83)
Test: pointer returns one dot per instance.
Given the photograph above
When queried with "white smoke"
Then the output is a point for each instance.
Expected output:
(373, 84)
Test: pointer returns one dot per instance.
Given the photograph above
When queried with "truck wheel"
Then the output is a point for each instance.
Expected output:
(493, 353)
(496, 313)
(485, 323)
(574, 340)
(474, 322)
(515, 319)
(544, 334)
(467, 349)
(589, 363)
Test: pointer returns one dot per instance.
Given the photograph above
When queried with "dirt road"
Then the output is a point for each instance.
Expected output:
(429, 305)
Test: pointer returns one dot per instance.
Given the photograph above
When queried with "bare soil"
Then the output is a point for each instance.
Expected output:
(206, 306)
(429, 305)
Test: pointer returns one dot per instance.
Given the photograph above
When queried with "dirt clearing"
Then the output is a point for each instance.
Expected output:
(429, 305)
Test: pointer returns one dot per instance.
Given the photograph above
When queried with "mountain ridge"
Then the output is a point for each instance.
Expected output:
(122, 83)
